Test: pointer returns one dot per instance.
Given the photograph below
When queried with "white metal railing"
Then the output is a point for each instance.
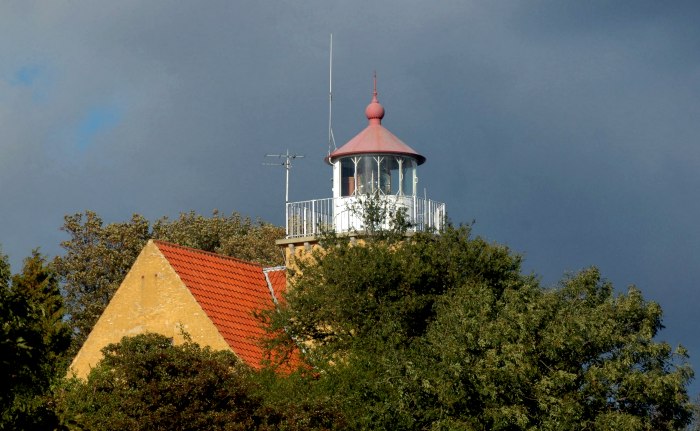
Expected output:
(311, 218)
(428, 214)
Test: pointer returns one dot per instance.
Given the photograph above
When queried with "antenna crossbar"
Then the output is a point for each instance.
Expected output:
(287, 164)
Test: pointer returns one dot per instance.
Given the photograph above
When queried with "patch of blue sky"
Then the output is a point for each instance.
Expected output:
(26, 75)
(97, 120)
(34, 77)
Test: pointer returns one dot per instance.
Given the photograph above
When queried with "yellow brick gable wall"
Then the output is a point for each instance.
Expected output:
(292, 255)
(298, 252)
(152, 298)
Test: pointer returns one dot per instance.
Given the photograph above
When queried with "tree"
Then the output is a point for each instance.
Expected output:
(98, 256)
(96, 259)
(695, 425)
(232, 235)
(33, 343)
(575, 357)
(147, 383)
(445, 332)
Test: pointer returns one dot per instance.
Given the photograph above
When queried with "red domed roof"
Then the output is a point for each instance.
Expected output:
(375, 139)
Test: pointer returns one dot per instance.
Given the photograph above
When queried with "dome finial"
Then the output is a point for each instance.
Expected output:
(374, 111)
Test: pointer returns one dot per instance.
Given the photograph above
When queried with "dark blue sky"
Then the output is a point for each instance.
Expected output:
(568, 130)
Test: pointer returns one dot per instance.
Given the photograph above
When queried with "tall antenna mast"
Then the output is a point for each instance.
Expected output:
(287, 164)
(331, 138)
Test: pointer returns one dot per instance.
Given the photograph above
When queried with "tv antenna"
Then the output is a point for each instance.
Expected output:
(287, 164)
(331, 138)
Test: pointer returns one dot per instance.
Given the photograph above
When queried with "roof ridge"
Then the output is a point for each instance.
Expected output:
(274, 268)
(204, 252)
(270, 287)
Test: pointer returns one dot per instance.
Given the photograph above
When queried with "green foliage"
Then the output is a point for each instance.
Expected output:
(293, 402)
(98, 256)
(695, 425)
(96, 259)
(381, 217)
(33, 342)
(346, 295)
(575, 357)
(146, 383)
(232, 235)
(444, 332)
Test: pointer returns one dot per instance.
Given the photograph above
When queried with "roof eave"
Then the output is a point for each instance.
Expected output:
(331, 158)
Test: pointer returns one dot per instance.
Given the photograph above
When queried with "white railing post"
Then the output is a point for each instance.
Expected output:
(313, 217)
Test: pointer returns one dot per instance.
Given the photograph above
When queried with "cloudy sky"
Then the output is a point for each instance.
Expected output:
(568, 130)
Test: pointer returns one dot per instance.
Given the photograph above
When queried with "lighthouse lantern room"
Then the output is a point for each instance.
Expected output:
(374, 165)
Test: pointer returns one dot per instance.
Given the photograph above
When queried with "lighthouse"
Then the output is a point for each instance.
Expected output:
(373, 167)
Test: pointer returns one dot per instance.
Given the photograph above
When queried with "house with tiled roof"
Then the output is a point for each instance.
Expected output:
(174, 290)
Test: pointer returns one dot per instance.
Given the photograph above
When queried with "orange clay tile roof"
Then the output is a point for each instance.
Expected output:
(229, 290)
